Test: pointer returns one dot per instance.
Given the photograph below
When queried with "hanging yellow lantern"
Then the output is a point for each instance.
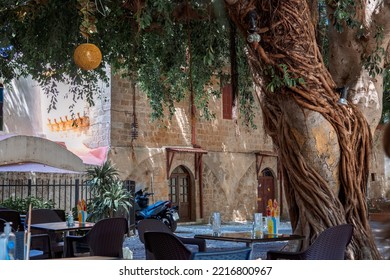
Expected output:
(87, 56)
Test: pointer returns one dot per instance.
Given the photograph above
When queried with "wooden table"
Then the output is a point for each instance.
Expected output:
(62, 227)
(247, 237)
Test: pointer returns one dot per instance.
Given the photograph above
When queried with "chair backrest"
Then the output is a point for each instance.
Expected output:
(14, 217)
(39, 216)
(61, 214)
(106, 237)
(150, 225)
(236, 254)
(166, 246)
(330, 244)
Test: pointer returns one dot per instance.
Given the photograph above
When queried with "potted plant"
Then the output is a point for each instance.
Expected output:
(109, 197)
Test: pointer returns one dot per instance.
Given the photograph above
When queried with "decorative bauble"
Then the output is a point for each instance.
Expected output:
(386, 139)
(87, 56)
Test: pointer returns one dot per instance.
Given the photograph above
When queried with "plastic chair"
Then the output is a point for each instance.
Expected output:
(39, 216)
(237, 254)
(156, 225)
(166, 246)
(104, 239)
(329, 245)
(35, 254)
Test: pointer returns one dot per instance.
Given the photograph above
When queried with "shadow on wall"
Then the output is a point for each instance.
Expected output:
(22, 101)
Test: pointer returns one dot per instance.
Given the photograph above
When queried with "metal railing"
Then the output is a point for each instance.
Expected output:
(63, 193)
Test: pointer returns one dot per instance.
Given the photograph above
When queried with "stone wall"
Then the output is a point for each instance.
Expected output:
(229, 167)
(379, 179)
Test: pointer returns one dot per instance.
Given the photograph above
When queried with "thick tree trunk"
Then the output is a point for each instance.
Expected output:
(347, 52)
(324, 147)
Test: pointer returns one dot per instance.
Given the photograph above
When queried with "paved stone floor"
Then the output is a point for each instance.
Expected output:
(259, 249)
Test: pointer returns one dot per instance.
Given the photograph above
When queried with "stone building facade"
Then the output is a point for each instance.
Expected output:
(221, 172)
(218, 174)
(219, 165)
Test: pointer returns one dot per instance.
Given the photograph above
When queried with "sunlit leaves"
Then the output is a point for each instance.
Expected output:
(168, 50)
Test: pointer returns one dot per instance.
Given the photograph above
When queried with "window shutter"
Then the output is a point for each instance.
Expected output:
(227, 102)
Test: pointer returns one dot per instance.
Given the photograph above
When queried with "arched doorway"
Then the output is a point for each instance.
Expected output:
(180, 192)
(265, 189)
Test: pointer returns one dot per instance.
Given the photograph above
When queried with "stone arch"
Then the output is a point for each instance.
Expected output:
(245, 204)
(214, 196)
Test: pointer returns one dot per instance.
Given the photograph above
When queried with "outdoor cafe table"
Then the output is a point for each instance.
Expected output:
(248, 238)
(62, 227)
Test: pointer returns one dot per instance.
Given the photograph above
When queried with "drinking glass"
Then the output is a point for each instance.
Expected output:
(216, 223)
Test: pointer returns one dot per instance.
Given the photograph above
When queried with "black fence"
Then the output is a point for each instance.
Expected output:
(63, 193)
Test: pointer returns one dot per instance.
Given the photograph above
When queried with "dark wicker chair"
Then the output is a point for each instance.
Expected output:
(39, 216)
(61, 213)
(329, 245)
(166, 246)
(104, 239)
(156, 225)
(236, 254)
(14, 217)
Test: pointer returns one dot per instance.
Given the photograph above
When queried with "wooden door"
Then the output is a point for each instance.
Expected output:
(180, 192)
(265, 191)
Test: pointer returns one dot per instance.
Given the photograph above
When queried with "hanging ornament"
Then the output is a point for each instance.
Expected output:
(87, 56)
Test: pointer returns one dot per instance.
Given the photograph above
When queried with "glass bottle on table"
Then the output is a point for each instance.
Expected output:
(257, 231)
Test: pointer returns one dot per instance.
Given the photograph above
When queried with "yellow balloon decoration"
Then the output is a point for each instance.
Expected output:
(87, 56)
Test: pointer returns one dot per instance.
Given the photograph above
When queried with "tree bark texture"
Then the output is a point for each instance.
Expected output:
(324, 147)
(348, 50)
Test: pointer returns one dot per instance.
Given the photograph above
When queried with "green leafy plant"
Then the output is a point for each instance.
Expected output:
(372, 61)
(109, 196)
(22, 204)
(278, 81)
(169, 49)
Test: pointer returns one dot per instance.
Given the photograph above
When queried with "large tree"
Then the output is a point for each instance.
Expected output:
(173, 47)
(324, 146)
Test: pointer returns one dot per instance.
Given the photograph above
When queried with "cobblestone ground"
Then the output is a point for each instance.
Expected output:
(259, 249)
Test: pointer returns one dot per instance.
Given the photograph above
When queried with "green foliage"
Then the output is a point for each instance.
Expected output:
(372, 61)
(322, 30)
(22, 204)
(386, 96)
(344, 14)
(278, 81)
(168, 54)
(109, 196)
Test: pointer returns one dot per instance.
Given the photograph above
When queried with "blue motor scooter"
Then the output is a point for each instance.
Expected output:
(161, 210)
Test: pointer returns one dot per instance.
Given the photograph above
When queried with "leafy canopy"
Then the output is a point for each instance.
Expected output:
(169, 47)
